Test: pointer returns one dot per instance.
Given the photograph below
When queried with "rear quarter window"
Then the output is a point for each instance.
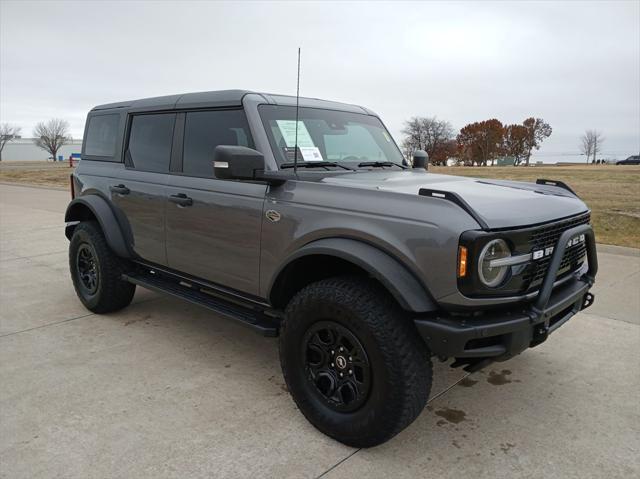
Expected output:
(102, 134)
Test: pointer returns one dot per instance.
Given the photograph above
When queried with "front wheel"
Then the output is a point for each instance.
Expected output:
(96, 271)
(353, 362)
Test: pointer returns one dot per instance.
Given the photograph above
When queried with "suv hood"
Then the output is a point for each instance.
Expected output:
(501, 204)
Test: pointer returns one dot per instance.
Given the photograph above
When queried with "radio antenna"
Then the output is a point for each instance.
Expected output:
(295, 151)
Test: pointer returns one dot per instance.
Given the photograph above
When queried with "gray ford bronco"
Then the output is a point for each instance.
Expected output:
(308, 224)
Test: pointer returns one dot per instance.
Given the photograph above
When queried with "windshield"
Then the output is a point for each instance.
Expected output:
(349, 139)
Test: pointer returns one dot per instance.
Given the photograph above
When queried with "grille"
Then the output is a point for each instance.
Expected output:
(548, 236)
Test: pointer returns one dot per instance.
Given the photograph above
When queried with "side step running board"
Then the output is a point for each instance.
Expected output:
(255, 319)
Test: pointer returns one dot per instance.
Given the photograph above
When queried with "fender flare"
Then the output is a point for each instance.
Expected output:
(395, 277)
(100, 208)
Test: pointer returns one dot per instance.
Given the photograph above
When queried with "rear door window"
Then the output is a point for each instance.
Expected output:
(204, 130)
(150, 142)
(102, 133)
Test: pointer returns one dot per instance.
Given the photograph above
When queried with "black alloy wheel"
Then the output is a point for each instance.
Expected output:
(87, 268)
(353, 361)
(96, 271)
(337, 365)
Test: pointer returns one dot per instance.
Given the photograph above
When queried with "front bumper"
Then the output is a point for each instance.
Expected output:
(500, 335)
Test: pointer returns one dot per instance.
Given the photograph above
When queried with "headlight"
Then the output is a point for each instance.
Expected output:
(490, 273)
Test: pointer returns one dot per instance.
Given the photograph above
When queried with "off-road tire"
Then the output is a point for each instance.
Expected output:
(400, 362)
(111, 292)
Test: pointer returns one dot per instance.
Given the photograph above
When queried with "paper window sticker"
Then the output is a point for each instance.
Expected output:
(311, 153)
(288, 130)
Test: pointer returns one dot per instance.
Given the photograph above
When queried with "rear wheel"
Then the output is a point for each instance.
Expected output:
(96, 271)
(353, 362)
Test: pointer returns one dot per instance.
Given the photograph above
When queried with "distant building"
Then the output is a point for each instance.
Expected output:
(506, 161)
(23, 149)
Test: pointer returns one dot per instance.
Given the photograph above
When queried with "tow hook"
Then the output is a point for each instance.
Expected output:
(540, 334)
(587, 300)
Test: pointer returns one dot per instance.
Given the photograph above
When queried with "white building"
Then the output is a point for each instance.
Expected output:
(23, 149)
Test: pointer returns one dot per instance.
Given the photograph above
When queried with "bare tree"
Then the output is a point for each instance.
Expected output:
(7, 133)
(414, 136)
(591, 144)
(51, 135)
(428, 134)
(598, 140)
(586, 145)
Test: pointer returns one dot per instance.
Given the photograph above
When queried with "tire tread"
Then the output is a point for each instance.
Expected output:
(114, 293)
(406, 355)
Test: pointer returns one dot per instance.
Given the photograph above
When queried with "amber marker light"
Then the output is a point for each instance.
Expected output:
(462, 262)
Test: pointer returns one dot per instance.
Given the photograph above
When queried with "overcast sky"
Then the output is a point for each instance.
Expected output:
(575, 64)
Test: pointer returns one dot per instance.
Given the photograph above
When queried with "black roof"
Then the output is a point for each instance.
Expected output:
(222, 98)
(211, 98)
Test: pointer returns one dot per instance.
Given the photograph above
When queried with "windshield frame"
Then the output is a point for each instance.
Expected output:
(372, 120)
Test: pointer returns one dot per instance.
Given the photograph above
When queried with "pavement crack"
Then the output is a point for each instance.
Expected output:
(600, 315)
(33, 256)
(46, 325)
(449, 388)
(345, 459)
(339, 462)
(149, 300)
(619, 281)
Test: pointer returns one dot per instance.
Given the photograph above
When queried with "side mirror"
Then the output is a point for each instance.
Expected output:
(420, 159)
(237, 162)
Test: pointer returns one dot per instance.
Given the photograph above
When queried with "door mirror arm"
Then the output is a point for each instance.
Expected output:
(274, 178)
(242, 163)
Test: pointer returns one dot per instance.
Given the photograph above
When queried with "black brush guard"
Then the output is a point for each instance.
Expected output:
(500, 335)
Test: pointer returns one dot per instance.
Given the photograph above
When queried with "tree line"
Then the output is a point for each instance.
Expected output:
(476, 144)
(49, 135)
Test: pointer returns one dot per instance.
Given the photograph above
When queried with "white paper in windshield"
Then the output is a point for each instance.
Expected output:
(310, 153)
(288, 130)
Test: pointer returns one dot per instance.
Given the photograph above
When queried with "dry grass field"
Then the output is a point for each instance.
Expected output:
(36, 173)
(612, 192)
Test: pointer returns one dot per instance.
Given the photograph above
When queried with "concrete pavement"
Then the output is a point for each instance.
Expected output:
(166, 389)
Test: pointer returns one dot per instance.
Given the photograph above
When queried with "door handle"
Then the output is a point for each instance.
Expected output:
(119, 189)
(181, 199)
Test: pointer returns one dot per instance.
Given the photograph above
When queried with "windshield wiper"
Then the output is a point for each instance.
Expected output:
(315, 164)
(380, 164)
